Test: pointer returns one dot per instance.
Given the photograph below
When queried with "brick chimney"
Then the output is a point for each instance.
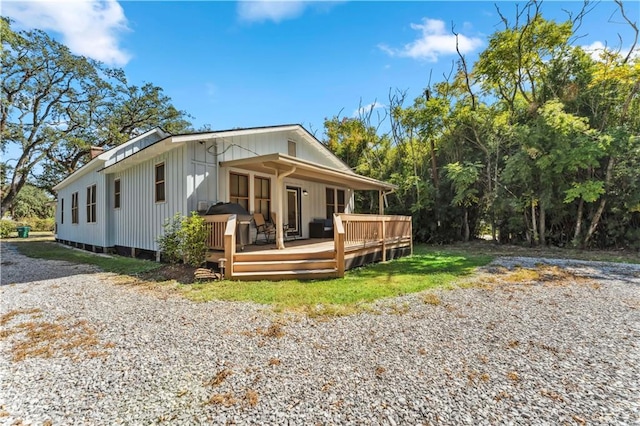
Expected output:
(95, 151)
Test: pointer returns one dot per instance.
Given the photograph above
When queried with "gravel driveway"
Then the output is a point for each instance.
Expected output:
(547, 351)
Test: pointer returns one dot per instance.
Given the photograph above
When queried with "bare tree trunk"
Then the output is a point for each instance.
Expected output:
(603, 202)
(527, 233)
(534, 225)
(466, 225)
(542, 223)
(576, 233)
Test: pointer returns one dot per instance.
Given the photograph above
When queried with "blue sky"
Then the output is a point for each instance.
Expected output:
(241, 64)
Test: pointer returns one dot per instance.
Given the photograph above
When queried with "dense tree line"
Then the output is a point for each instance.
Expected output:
(537, 141)
(56, 105)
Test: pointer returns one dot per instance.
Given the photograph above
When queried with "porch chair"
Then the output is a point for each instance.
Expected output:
(268, 230)
(285, 228)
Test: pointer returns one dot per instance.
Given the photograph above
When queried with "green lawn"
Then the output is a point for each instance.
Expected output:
(425, 269)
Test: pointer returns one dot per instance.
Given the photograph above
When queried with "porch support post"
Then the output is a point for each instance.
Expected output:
(380, 202)
(280, 190)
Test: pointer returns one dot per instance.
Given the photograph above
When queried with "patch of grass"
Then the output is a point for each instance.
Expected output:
(424, 270)
(4, 319)
(379, 371)
(520, 275)
(220, 377)
(33, 236)
(431, 299)
(489, 248)
(225, 399)
(111, 263)
(274, 361)
(275, 331)
(251, 398)
(512, 375)
(73, 339)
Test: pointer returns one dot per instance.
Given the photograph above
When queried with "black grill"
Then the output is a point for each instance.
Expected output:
(243, 219)
(229, 208)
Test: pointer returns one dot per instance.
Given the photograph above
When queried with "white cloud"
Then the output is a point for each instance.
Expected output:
(267, 10)
(364, 110)
(88, 27)
(596, 48)
(435, 40)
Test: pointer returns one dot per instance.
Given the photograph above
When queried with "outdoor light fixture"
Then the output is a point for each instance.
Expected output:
(305, 192)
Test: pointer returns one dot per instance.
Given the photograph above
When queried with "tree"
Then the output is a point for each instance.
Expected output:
(56, 105)
(32, 202)
(46, 93)
(126, 111)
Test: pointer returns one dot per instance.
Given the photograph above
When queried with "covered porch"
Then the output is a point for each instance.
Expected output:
(302, 192)
(357, 239)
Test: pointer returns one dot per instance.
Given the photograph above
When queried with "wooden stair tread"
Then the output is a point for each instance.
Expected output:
(301, 274)
(296, 272)
(278, 262)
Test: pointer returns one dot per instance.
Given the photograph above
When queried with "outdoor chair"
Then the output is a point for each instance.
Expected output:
(264, 228)
(285, 228)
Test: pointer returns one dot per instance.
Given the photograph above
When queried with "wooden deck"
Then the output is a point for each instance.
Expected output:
(358, 240)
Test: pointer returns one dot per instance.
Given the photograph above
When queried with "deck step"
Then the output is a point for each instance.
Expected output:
(284, 265)
(279, 256)
(302, 274)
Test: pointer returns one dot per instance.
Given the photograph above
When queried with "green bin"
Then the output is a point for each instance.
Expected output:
(23, 231)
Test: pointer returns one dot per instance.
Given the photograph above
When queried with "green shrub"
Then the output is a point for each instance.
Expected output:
(169, 241)
(193, 236)
(38, 224)
(7, 227)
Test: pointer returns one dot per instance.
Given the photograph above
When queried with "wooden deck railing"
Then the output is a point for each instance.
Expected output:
(216, 225)
(372, 230)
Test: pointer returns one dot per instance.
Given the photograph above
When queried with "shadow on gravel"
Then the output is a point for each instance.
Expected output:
(23, 262)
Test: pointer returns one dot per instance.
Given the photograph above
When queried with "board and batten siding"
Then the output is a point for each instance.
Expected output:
(139, 220)
(202, 175)
(83, 232)
(237, 147)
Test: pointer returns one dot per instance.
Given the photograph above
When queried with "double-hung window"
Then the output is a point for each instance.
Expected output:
(160, 183)
(74, 207)
(91, 204)
(116, 194)
(262, 196)
(239, 189)
(335, 201)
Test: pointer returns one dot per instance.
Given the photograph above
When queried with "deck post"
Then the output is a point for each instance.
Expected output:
(411, 235)
(230, 245)
(384, 240)
(280, 190)
(338, 238)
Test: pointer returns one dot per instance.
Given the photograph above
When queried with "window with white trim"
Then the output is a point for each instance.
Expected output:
(91, 204)
(74, 207)
(160, 183)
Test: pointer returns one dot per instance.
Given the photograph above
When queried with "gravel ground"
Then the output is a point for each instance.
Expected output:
(544, 352)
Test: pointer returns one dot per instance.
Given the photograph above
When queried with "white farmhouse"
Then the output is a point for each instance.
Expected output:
(120, 200)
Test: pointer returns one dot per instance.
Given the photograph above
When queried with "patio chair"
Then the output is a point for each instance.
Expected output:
(264, 228)
(285, 228)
